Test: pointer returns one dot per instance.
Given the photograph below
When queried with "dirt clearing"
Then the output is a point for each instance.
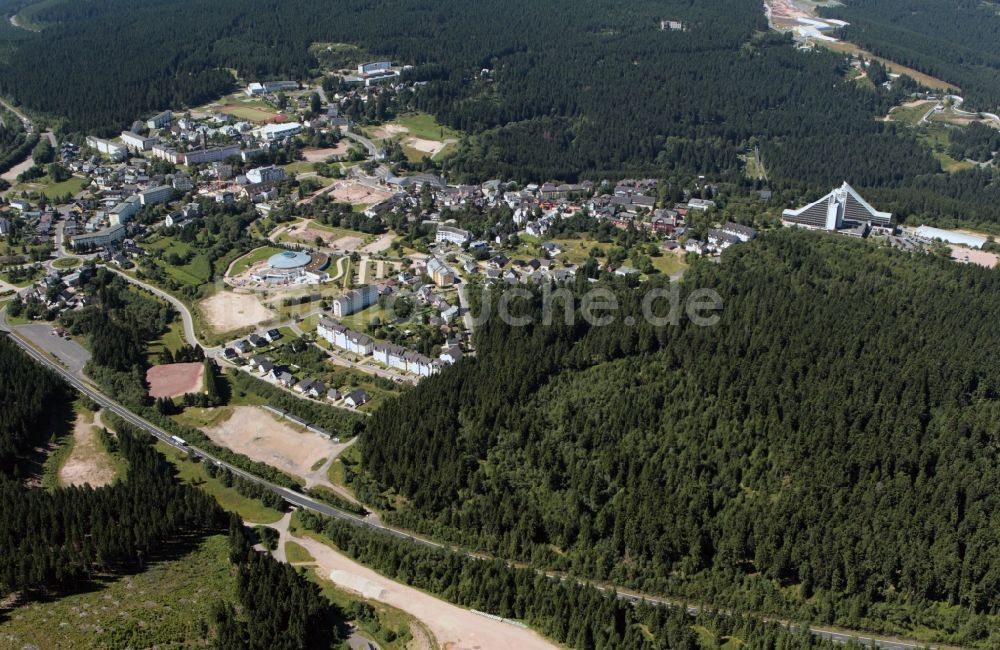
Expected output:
(388, 130)
(381, 244)
(320, 155)
(229, 310)
(88, 463)
(357, 193)
(349, 244)
(432, 147)
(260, 435)
(175, 379)
(455, 628)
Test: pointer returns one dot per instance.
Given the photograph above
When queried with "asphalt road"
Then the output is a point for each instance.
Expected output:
(303, 501)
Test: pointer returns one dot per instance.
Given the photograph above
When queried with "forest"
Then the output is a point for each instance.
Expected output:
(688, 99)
(824, 452)
(563, 91)
(577, 615)
(955, 40)
(59, 541)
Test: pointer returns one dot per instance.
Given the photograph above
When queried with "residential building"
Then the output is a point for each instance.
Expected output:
(452, 235)
(743, 233)
(701, 204)
(137, 142)
(440, 273)
(355, 300)
(343, 338)
(215, 154)
(100, 238)
(159, 121)
(269, 174)
(161, 194)
(112, 150)
(122, 213)
(356, 398)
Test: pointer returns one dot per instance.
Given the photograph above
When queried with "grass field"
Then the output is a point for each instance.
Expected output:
(258, 255)
(424, 126)
(910, 114)
(298, 167)
(668, 263)
(172, 339)
(44, 185)
(66, 262)
(916, 75)
(167, 606)
(228, 498)
(359, 321)
(296, 554)
(936, 137)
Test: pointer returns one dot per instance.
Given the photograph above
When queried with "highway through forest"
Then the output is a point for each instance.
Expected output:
(300, 500)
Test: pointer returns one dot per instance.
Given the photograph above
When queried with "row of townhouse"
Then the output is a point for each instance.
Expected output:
(398, 357)
(345, 339)
(389, 354)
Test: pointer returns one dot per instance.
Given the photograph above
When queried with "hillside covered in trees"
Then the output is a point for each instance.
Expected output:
(59, 541)
(955, 40)
(556, 91)
(573, 88)
(828, 450)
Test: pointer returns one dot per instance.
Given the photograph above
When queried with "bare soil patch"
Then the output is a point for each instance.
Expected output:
(320, 155)
(358, 194)
(231, 310)
(388, 130)
(175, 379)
(379, 245)
(260, 435)
(970, 256)
(88, 463)
(347, 243)
(454, 628)
(431, 147)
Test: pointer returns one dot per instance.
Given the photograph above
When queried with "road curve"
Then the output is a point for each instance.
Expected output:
(181, 308)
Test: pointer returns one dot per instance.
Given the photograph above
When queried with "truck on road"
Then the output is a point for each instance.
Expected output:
(180, 442)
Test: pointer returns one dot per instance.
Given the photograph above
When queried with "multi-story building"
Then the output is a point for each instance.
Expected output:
(122, 213)
(100, 238)
(343, 338)
(160, 121)
(841, 209)
(215, 154)
(440, 273)
(272, 132)
(161, 194)
(137, 142)
(269, 174)
(112, 150)
(452, 235)
(355, 300)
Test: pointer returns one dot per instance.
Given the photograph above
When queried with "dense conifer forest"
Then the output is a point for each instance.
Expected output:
(828, 450)
(562, 90)
(58, 541)
(955, 40)
(579, 616)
